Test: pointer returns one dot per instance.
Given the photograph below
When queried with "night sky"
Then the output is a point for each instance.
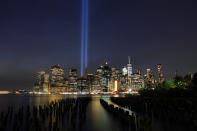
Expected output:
(36, 34)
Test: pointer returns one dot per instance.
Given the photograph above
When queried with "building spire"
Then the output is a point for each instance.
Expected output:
(129, 59)
(129, 67)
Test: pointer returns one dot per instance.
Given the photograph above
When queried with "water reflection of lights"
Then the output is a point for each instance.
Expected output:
(45, 99)
(4, 92)
(131, 113)
(107, 99)
(98, 118)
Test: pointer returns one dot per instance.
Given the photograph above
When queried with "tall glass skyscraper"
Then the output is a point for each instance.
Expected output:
(129, 67)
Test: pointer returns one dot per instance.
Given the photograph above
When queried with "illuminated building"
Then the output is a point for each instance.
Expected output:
(98, 80)
(96, 84)
(129, 67)
(148, 73)
(46, 84)
(106, 79)
(123, 82)
(37, 85)
(149, 79)
(42, 82)
(113, 72)
(104, 74)
(114, 80)
(82, 85)
(137, 82)
(115, 85)
(100, 71)
(57, 75)
(150, 76)
(90, 82)
(125, 79)
(124, 71)
(57, 79)
(72, 79)
(160, 73)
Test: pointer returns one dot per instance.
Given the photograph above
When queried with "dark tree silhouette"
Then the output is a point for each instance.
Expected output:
(194, 80)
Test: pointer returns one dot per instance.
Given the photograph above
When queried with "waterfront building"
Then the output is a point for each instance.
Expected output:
(42, 83)
(90, 82)
(72, 80)
(82, 85)
(96, 84)
(114, 80)
(106, 79)
(57, 75)
(104, 75)
(46, 83)
(57, 79)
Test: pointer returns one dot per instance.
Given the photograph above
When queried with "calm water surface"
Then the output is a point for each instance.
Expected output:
(97, 118)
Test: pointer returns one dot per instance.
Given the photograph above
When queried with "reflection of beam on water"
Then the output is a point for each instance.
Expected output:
(98, 119)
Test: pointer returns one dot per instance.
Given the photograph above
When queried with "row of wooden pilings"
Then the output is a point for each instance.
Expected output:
(131, 122)
(68, 114)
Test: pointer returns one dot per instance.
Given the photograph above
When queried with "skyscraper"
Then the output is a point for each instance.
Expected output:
(160, 73)
(57, 79)
(72, 79)
(42, 82)
(57, 75)
(129, 67)
(84, 37)
(149, 77)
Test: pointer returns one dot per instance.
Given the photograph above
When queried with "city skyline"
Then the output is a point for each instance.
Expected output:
(105, 79)
(98, 65)
(37, 34)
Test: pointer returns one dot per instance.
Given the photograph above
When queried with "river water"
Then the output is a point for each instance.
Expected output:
(97, 118)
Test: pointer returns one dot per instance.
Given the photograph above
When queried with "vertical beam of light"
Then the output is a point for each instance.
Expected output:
(82, 52)
(86, 35)
(82, 39)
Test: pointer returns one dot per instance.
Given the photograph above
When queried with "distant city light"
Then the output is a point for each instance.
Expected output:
(116, 85)
(4, 92)
(106, 80)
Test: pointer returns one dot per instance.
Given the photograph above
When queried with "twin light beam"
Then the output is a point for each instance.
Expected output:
(84, 37)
